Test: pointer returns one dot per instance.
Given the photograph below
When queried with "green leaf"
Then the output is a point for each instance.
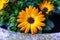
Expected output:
(1, 19)
(20, 3)
(12, 24)
(40, 32)
(39, 1)
(11, 0)
(49, 25)
(16, 11)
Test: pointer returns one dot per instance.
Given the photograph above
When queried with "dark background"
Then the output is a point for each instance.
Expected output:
(56, 19)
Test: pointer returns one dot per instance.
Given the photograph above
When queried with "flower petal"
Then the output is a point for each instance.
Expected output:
(40, 28)
(22, 24)
(34, 12)
(27, 29)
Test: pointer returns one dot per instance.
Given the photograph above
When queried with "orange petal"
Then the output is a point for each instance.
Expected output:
(49, 3)
(42, 24)
(33, 29)
(1, 6)
(30, 8)
(23, 28)
(45, 2)
(52, 6)
(27, 10)
(20, 20)
(40, 5)
(34, 12)
(27, 29)
(32, 32)
(40, 13)
(40, 28)
(42, 19)
(22, 14)
(5, 1)
(40, 16)
(21, 25)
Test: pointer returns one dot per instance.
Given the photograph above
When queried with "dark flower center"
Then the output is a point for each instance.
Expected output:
(30, 20)
(45, 9)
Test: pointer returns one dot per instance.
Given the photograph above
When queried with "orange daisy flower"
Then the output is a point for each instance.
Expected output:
(30, 19)
(46, 6)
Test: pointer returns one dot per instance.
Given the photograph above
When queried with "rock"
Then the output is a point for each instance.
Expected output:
(9, 35)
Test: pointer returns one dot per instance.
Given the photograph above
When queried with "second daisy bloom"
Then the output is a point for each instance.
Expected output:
(46, 6)
(3, 3)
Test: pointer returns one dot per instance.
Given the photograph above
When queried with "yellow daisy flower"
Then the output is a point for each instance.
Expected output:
(3, 3)
(30, 19)
(46, 6)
